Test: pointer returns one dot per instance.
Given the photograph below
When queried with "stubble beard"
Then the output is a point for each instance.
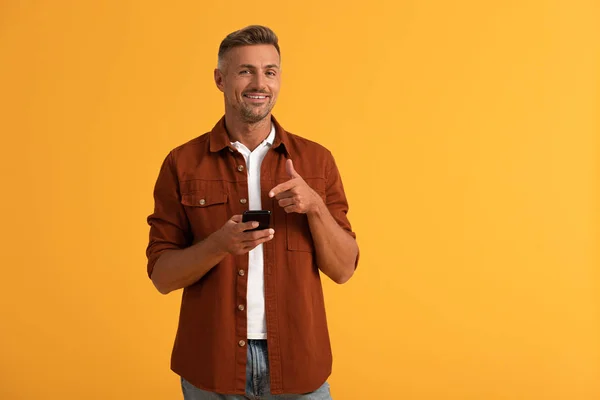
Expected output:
(251, 116)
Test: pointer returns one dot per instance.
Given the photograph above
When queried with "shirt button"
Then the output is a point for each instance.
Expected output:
(243, 201)
(202, 202)
(241, 307)
(240, 168)
(242, 343)
(241, 272)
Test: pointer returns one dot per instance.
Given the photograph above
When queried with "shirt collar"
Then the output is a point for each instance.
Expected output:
(267, 142)
(219, 139)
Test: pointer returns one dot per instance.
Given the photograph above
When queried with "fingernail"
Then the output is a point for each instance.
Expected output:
(270, 194)
(255, 224)
(271, 231)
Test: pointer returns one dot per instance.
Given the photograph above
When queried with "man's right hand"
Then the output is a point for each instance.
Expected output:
(232, 239)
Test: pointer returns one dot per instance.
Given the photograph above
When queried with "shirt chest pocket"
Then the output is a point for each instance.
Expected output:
(203, 199)
(299, 237)
(206, 206)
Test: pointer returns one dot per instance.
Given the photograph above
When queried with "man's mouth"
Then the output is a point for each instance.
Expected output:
(256, 96)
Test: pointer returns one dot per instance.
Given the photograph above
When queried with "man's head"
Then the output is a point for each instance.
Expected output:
(248, 72)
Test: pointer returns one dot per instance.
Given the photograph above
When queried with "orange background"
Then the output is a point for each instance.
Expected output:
(467, 136)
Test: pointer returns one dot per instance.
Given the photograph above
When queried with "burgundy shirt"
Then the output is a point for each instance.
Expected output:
(199, 187)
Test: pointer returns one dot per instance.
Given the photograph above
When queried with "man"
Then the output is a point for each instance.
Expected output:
(252, 319)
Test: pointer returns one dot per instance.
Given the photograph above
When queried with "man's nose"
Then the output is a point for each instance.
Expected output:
(259, 81)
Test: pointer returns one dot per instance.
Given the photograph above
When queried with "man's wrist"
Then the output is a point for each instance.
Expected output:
(213, 244)
(319, 207)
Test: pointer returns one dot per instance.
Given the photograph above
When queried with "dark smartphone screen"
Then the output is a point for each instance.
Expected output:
(263, 217)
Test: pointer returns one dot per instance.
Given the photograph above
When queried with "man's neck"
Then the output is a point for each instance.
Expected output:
(248, 134)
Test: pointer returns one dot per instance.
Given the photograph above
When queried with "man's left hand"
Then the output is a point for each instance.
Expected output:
(295, 195)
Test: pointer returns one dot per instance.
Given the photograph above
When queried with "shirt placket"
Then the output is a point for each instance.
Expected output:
(241, 264)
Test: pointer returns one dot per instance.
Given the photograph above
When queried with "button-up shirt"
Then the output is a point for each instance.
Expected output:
(199, 188)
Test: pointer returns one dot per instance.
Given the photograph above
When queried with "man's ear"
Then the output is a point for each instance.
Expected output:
(219, 79)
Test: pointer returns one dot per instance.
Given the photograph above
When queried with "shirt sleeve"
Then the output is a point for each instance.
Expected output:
(169, 225)
(337, 203)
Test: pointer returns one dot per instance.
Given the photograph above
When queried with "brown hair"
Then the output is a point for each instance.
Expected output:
(250, 35)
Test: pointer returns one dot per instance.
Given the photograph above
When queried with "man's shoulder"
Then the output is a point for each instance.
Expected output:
(189, 154)
(302, 144)
(192, 145)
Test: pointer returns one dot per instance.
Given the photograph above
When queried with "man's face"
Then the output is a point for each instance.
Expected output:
(249, 79)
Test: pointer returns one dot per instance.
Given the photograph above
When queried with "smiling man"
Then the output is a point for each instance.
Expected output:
(252, 322)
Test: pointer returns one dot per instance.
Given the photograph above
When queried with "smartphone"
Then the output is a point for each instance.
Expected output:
(263, 217)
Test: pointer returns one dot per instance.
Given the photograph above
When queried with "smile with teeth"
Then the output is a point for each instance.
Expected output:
(257, 97)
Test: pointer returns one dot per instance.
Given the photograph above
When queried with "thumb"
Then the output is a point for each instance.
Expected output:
(289, 167)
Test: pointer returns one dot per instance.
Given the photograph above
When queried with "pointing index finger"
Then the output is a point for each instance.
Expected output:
(282, 187)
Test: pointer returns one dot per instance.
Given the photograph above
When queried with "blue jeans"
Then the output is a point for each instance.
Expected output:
(258, 385)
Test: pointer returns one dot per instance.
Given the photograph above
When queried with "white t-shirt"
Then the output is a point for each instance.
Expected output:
(255, 298)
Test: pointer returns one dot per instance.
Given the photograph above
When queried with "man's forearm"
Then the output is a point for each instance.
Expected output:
(336, 249)
(176, 269)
